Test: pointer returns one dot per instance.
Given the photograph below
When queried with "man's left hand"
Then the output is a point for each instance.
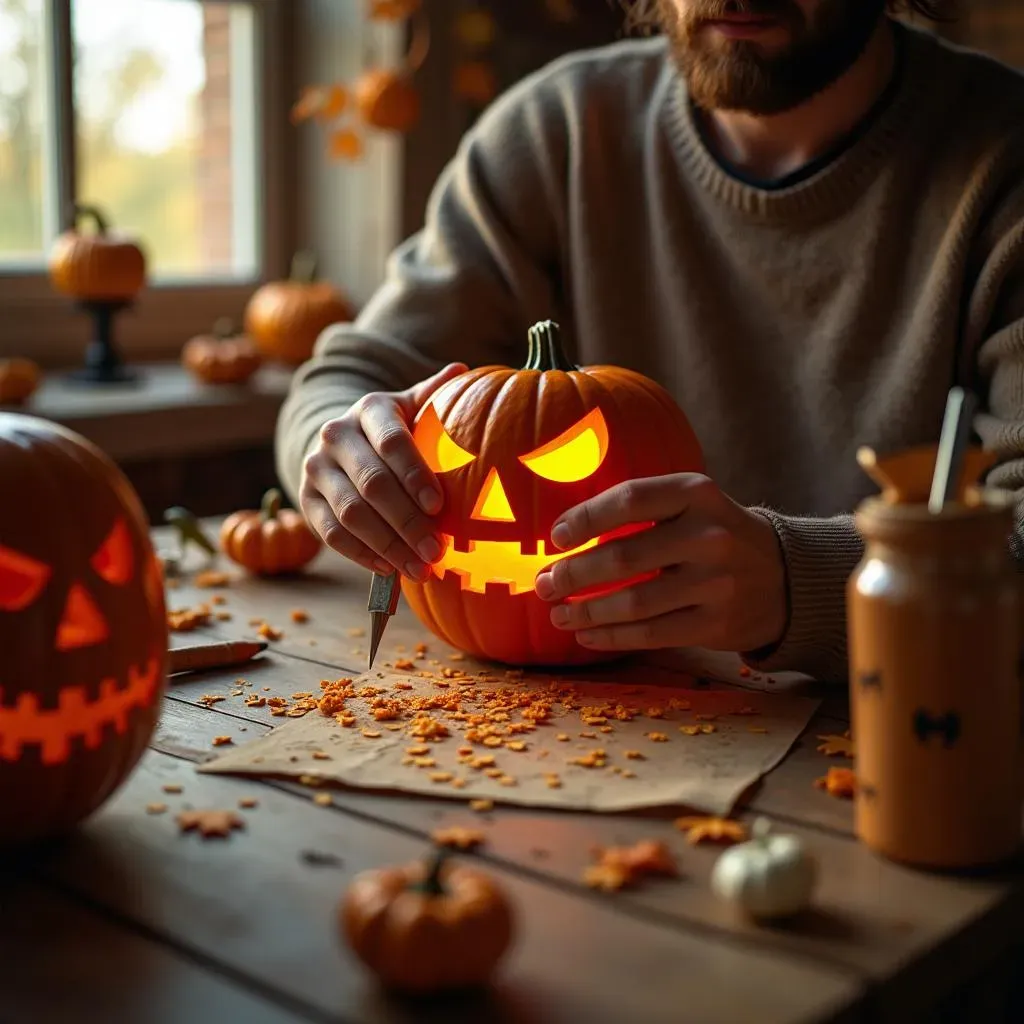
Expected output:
(720, 583)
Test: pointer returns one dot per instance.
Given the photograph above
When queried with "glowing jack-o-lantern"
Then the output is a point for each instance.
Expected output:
(83, 629)
(513, 450)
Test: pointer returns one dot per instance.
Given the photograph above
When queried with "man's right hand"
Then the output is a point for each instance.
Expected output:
(367, 490)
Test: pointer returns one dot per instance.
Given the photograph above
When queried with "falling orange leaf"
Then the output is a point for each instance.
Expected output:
(346, 145)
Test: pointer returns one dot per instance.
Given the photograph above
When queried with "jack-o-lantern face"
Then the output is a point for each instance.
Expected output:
(82, 627)
(514, 450)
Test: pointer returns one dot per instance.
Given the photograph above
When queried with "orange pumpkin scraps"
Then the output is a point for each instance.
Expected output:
(156, 808)
(838, 782)
(481, 806)
(837, 746)
(185, 620)
(711, 829)
(458, 837)
(222, 741)
(618, 867)
(210, 824)
(299, 616)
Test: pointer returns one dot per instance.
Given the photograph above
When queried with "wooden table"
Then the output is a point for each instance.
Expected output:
(131, 921)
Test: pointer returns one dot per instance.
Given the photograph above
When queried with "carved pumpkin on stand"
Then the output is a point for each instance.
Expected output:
(284, 318)
(82, 629)
(513, 450)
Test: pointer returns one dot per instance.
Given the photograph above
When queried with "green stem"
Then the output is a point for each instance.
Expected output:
(271, 504)
(431, 885)
(304, 267)
(80, 211)
(544, 351)
(224, 328)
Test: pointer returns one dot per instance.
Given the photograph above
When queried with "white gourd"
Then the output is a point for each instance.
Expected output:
(771, 876)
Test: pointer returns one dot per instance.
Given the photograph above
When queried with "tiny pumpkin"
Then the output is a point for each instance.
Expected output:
(19, 379)
(98, 267)
(223, 357)
(425, 928)
(285, 318)
(771, 876)
(388, 100)
(270, 542)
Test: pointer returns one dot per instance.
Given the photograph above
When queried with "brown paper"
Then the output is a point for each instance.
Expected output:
(708, 772)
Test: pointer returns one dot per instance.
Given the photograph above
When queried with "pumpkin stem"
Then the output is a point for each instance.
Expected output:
(761, 828)
(431, 885)
(271, 504)
(419, 46)
(304, 267)
(80, 211)
(544, 351)
(224, 328)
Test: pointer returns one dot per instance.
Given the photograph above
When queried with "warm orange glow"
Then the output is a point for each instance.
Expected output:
(492, 502)
(575, 454)
(114, 561)
(439, 451)
(21, 580)
(489, 561)
(82, 623)
(74, 716)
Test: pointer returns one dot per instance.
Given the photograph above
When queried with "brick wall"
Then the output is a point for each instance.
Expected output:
(215, 172)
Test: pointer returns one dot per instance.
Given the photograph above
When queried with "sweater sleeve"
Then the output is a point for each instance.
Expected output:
(465, 288)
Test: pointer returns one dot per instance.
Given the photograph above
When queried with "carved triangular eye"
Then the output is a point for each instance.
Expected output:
(436, 446)
(114, 561)
(575, 454)
(21, 580)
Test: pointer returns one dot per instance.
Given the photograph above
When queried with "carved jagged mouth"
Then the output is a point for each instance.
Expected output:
(484, 562)
(53, 729)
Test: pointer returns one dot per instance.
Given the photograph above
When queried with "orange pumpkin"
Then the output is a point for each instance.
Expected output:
(98, 267)
(83, 630)
(513, 450)
(388, 100)
(285, 318)
(270, 542)
(427, 928)
(224, 357)
(19, 379)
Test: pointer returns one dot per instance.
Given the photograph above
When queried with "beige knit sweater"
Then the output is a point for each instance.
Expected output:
(792, 324)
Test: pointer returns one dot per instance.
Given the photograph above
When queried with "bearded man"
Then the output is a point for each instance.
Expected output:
(803, 218)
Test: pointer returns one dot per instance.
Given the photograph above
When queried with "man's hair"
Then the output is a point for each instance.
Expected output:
(643, 14)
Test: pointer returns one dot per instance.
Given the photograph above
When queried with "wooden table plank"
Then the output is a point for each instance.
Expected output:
(68, 965)
(250, 905)
(871, 916)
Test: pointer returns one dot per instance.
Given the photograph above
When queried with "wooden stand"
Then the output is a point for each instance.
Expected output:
(103, 363)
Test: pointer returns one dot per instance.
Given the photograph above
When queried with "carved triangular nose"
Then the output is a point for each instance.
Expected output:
(82, 624)
(492, 504)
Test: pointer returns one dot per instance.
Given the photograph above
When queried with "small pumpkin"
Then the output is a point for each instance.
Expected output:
(513, 450)
(270, 542)
(223, 357)
(19, 379)
(426, 928)
(388, 100)
(771, 876)
(83, 630)
(99, 267)
(285, 318)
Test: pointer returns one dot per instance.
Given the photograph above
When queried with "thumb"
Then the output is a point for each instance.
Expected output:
(413, 398)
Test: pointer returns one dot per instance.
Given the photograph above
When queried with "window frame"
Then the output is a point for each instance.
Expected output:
(37, 323)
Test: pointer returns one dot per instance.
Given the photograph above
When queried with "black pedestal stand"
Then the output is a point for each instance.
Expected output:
(103, 364)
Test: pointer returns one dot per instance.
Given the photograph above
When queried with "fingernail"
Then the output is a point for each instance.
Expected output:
(545, 586)
(560, 615)
(417, 570)
(429, 549)
(430, 500)
(383, 568)
(561, 536)
(586, 639)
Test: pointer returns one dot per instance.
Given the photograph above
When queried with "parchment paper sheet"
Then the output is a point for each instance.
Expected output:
(707, 772)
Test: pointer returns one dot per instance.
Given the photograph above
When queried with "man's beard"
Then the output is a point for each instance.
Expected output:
(726, 74)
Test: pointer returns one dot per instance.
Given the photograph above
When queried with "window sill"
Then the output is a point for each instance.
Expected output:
(167, 414)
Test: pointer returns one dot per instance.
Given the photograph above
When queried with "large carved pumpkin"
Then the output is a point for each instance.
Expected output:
(513, 450)
(83, 630)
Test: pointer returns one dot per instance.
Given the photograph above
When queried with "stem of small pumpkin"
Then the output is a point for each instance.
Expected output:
(271, 504)
(545, 352)
(78, 212)
(304, 267)
(224, 328)
(431, 885)
(419, 47)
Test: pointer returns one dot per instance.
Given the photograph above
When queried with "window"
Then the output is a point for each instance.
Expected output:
(161, 114)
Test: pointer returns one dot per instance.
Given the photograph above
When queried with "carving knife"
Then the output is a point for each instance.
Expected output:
(384, 594)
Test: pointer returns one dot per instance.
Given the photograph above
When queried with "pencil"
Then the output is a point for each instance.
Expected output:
(218, 655)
